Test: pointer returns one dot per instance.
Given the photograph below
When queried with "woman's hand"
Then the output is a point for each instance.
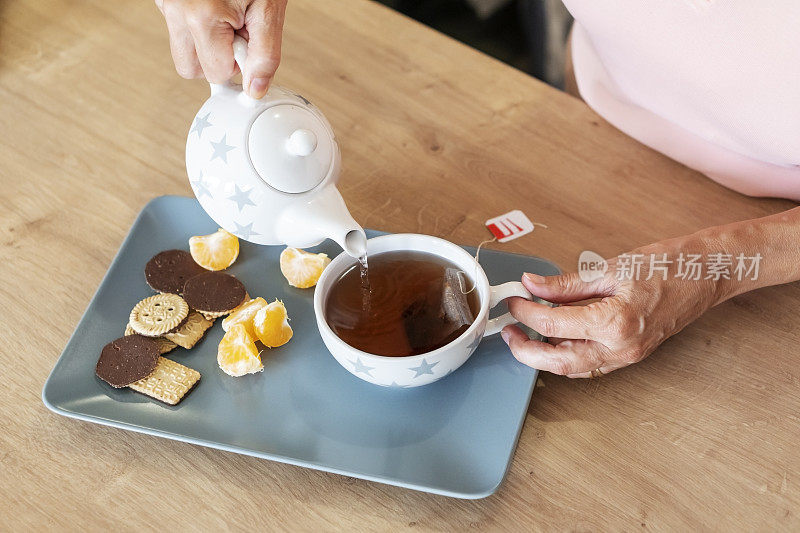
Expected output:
(201, 39)
(625, 326)
(633, 316)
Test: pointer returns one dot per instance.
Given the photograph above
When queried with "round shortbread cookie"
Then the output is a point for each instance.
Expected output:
(158, 314)
(214, 293)
(127, 359)
(167, 271)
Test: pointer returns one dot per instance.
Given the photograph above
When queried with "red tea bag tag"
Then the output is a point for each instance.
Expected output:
(510, 226)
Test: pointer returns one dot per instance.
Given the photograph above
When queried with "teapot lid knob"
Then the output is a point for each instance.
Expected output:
(301, 142)
(291, 147)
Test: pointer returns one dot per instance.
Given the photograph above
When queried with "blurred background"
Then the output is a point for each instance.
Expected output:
(530, 35)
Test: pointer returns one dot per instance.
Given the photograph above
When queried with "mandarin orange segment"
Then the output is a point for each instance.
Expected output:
(216, 251)
(244, 315)
(302, 269)
(271, 324)
(237, 354)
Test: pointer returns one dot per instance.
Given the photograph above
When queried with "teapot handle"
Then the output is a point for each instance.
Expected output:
(240, 56)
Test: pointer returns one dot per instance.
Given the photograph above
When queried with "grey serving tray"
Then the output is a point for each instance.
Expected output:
(455, 437)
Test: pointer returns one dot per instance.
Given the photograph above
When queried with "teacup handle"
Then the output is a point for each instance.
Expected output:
(497, 294)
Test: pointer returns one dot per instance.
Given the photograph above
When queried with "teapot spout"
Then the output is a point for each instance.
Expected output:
(355, 242)
(323, 216)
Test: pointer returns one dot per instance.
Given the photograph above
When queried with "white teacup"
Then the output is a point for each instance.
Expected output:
(416, 370)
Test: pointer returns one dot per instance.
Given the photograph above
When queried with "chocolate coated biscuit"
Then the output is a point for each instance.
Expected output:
(169, 270)
(127, 359)
(214, 292)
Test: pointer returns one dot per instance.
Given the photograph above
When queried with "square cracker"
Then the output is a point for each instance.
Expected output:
(191, 331)
(169, 382)
(164, 345)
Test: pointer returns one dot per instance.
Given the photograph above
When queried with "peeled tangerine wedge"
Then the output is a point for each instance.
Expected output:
(302, 269)
(244, 315)
(272, 325)
(217, 251)
(237, 354)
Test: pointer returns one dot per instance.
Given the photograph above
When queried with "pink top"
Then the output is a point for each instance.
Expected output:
(714, 84)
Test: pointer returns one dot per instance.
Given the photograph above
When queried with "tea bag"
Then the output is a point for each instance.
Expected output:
(421, 322)
(454, 299)
(438, 317)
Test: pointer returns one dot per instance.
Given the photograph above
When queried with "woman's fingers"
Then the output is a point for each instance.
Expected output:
(569, 357)
(264, 23)
(567, 287)
(567, 321)
(201, 39)
(212, 27)
(600, 371)
(181, 43)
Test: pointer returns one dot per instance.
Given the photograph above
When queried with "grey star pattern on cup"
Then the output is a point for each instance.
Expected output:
(475, 342)
(396, 385)
(242, 198)
(200, 187)
(245, 231)
(358, 367)
(424, 368)
(221, 149)
(199, 124)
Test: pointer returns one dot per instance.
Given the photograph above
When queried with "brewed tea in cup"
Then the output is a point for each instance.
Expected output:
(410, 302)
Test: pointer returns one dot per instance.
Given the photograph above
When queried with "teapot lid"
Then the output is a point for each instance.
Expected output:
(291, 148)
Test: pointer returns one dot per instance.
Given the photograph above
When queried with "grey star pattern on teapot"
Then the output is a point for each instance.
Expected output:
(424, 368)
(221, 149)
(358, 366)
(242, 198)
(200, 187)
(245, 231)
(199, 124)
(303, 98)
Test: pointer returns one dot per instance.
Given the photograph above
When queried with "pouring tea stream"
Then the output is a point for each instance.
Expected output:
(266, 170)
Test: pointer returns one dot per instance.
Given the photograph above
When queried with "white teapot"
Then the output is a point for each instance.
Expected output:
(266, 170)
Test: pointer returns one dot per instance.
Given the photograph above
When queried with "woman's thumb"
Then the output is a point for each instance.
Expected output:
(565, 288)
(264, 24)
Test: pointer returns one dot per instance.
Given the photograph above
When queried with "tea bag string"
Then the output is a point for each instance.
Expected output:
(475, 274)
(461, 282)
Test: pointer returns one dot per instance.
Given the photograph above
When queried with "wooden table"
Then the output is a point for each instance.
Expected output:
(436, 138)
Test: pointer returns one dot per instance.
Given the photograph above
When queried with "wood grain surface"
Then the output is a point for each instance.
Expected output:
(436, 138)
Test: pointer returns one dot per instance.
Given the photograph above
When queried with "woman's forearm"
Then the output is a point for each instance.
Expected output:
(768, 247)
